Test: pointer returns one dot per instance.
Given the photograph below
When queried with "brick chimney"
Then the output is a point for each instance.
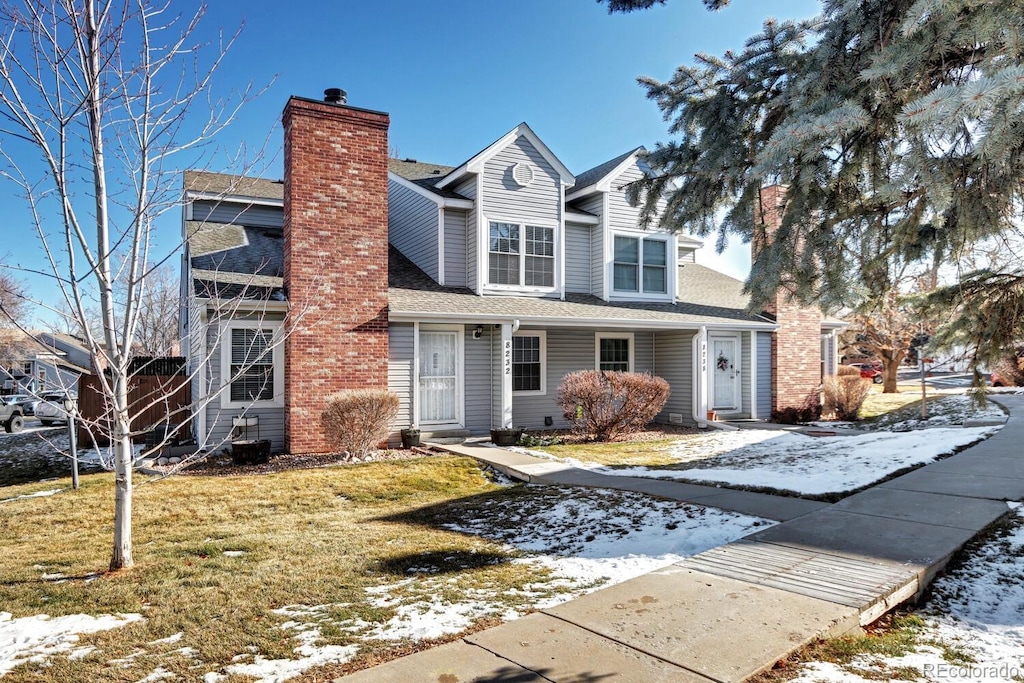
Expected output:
(335, 258)
(796, 345)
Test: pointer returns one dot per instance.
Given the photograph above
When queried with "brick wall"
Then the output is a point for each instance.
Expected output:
(796, 345)
(335, 260)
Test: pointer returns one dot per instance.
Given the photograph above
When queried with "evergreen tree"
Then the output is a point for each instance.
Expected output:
(898, 127)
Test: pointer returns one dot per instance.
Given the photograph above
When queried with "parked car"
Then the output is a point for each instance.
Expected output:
(12, 416)
(27, 403)
(51, 408)
(871, 371)
(996, 380)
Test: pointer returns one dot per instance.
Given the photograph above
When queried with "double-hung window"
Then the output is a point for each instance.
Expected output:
(640, 265)
(528, 362)
(521, 254)
(615, 352)
(252, 364)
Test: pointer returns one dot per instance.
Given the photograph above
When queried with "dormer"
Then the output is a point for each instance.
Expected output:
(629, 263)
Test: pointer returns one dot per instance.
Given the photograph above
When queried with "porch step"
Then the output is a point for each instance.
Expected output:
(445, 436)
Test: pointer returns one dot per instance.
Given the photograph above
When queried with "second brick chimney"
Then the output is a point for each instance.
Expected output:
(335, 259)
(796, 345)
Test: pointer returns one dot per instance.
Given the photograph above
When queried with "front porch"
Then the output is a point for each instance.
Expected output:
(474, 377)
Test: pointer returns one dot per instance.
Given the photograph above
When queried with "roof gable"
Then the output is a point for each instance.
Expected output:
(476, 163)
(600, 177)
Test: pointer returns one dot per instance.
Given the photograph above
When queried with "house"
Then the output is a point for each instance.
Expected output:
(468, 290)
(44, 361)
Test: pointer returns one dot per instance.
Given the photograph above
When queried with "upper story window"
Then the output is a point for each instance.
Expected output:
(521, 254)
(640, 265)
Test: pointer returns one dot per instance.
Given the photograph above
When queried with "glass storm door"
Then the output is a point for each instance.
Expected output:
(439, 377)
(725, 391)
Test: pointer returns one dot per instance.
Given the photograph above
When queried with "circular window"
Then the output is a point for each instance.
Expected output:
(522, 174)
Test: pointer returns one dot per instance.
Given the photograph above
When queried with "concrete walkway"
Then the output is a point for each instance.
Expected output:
(730, 612)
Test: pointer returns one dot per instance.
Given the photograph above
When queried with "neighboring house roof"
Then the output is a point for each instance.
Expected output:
(412, 292)
(229, 185)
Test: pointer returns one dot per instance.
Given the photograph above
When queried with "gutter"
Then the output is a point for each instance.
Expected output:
(605, 323)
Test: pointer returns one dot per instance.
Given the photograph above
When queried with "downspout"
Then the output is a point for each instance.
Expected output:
(700, 374)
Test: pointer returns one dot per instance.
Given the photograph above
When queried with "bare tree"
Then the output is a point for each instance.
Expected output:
(102, 92)
(157, 334)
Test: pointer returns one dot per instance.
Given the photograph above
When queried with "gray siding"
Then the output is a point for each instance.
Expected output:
(570, 350)
(218, 419)
(400, 374)
(454, 248)
(595, 205)
(502, 198)
(467, 188)
(479, 377)
(687, 255)
(239, 214)
(412, 227)
(577, 258)
(620, 214)
(673, 352)
(764, 375)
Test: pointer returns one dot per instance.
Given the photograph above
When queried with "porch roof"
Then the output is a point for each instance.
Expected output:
(414, 295)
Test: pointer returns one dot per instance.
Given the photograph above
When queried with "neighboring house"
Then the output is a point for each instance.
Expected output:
(47, 361)
(470, 291)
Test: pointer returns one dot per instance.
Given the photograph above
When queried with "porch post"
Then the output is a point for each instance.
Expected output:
(506, 375)
(414, 420)
(752, 370)
(700, 380)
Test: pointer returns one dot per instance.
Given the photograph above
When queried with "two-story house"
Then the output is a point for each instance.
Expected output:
(468, 290)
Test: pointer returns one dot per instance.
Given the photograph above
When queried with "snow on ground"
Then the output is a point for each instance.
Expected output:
(796, 462)
(823, 464)
(587, 539)
(37, 494)
(976, 611)
(35, 638)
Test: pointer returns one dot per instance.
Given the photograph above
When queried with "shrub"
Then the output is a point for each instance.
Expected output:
(845, 394)
(808, 411)
(606, 404)
(359, 419)
(847, 371)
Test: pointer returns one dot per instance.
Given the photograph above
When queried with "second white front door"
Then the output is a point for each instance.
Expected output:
(725, 373)
(440, 380)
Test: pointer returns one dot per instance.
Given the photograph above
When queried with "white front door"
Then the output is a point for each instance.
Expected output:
(439, 380)
(725, 373)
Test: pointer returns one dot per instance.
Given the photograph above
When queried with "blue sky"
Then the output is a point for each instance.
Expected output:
(457, 75)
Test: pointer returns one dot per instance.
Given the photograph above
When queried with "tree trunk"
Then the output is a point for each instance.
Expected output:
(121, 557)
(890, 368)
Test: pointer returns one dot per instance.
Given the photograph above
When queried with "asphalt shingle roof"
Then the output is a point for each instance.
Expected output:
(228, 184)
(412, 292)
(593, 175)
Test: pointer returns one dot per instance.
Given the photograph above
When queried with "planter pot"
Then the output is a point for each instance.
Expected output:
(505, 437)
(410, 438)
(250, 452)
(712, 416)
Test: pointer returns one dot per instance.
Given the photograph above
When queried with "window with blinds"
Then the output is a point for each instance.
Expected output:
(252, 365)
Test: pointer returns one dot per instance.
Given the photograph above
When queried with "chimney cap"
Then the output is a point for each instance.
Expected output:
(335, 96)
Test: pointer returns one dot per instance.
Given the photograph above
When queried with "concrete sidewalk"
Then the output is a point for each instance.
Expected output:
(727, 613)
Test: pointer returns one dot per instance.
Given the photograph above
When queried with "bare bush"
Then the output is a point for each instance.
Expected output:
(845, 394)
(607, 404)
(358, 420)
(808, 411)
(847, 371)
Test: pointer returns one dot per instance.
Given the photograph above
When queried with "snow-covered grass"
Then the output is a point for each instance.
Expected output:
(971, 628)
(302, 573)
(792, 462)
(37, 638)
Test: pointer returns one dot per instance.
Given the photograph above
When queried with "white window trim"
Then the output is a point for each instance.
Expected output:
(670, 265)
(543, 362)
(613, 335)
(276, 327)
(485, 267)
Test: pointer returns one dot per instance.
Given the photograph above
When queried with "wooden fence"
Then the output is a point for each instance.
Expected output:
(154, 399)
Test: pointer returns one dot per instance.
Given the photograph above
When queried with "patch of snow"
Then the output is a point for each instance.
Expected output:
(234, 553)
(158, 674)
(804, 464)
(278, 670)
(169, 640)
(37, 494)
(36, 638)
